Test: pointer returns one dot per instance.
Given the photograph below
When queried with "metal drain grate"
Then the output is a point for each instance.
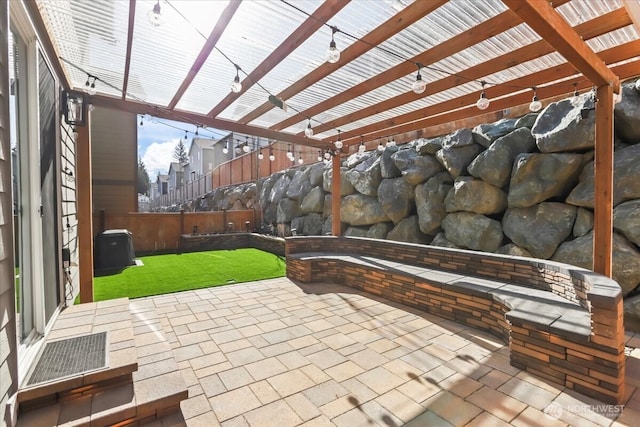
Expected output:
(70, 356)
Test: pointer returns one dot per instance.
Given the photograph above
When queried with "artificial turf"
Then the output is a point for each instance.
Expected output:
(162, 274)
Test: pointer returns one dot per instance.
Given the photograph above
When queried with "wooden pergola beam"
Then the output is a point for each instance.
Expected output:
(84, 213)
(403, 19)
(336, 222)
(633, 9)
(388, 126)
(553, 28)
(590, 29)
(127, 63)
(310, 25)
(202, 120)
(212, 40)
(477, 34)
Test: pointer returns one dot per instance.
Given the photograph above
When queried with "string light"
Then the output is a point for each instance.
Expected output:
(154, 16)
(575, 90)
(319, 155)
(260, 155)
(90, 84)
(141, 122)
(225, 150)
(300, 161)
(308, 132)
(327, 154)
(290, 155)
(535, 105)
(338, 144)
(333, 54)
(186, 136)
(419, 86)
(391, 142)
(362, 148)
(483, 102)
(271, 156)
(236, 86)
(245, 147)
(637, 85)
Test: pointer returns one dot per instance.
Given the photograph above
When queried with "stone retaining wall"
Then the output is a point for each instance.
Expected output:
(592, 365)
(212, 242)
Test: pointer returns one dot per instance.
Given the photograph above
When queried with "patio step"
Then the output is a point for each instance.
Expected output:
(141, 383)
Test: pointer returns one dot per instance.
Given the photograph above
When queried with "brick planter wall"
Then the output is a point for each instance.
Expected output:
(591, 364)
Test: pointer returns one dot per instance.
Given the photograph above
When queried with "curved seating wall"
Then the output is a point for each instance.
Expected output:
(562, 322)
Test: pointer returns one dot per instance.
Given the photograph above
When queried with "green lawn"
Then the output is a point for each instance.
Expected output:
(163, 274)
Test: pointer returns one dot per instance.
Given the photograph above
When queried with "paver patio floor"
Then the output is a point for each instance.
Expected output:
(275, 353)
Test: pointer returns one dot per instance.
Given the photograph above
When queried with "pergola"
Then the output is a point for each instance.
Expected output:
(505, 50)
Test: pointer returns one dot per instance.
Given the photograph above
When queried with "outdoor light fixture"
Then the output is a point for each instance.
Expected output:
(245, 147)
(391, 142)
(236, 86)
(308, 132)
(90, 84)
(576, 94)
(74, 108)
(300, 161)
(260, 155)
(290, 155)
(361, 148)
(338, 144)
(333, 54)
(225, 150)
(535, 105)
(483, 102)
(271, 156)
(154, 16)
(419, 85)
(380, 146)
(319, 155)
(327, 155)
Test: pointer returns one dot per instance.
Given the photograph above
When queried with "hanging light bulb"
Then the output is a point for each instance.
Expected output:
(154, 16)
(419, 85)
(225, 150)
(87, 84)
(333, 54)
(327, 155)
(197, 127)
(535, 105)
(637, 85)
(300, 161)
(361, 148)
(338, 144)
(319, 155)
(75, 134)
(260, 155)
(483, 102)
(290, 154)
(271, 156)
(391, 142)
(245, 147)
(141, 122)
(236, 86)
(576, 94)
(91, 107)
(186, 137)
(308, 132)
(380, 146)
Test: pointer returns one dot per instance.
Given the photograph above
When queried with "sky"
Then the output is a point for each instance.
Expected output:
(157, 138)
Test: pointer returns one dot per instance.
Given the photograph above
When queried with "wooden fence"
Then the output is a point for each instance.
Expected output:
(161, 232)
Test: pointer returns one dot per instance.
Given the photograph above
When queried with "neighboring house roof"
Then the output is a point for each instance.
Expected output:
(176, 167)
(162, 177)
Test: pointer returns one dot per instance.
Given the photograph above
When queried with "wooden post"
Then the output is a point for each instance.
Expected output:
(85, 214)
(603, 183)
(336, 227)
(181, 231)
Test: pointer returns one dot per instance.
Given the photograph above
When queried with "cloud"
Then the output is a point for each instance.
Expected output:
(158, 156)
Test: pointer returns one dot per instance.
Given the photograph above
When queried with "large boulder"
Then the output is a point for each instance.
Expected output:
(313, 224)
(379, 230)
(626, 185)
(408, 230)
(626, 259)
(328, 200)
(356, 231)
(566, 125)
(365, 176)
(541, 228)
(356, 158)
(539, 177)
(287, 210)
(297, 225)
(474, 195)
(315, 174)
(388, 168)
(441, 240)
(473, 231)
(513, 250)
(430, 202)
(584, 222)
(299, 185)
(484, 134)
(632, 313)
(266, 186)
(456, 159)
(313, 201)
(626, 219)
(494, 165)
(345, 186)
(458, 138)
(626, 115)
(416, 169)
(428, 146)
(358, 209)
(396, 196)
(279, 189)
(527, 121)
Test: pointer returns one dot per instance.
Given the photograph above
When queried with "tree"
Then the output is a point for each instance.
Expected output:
(142, 183)
(180, 153)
